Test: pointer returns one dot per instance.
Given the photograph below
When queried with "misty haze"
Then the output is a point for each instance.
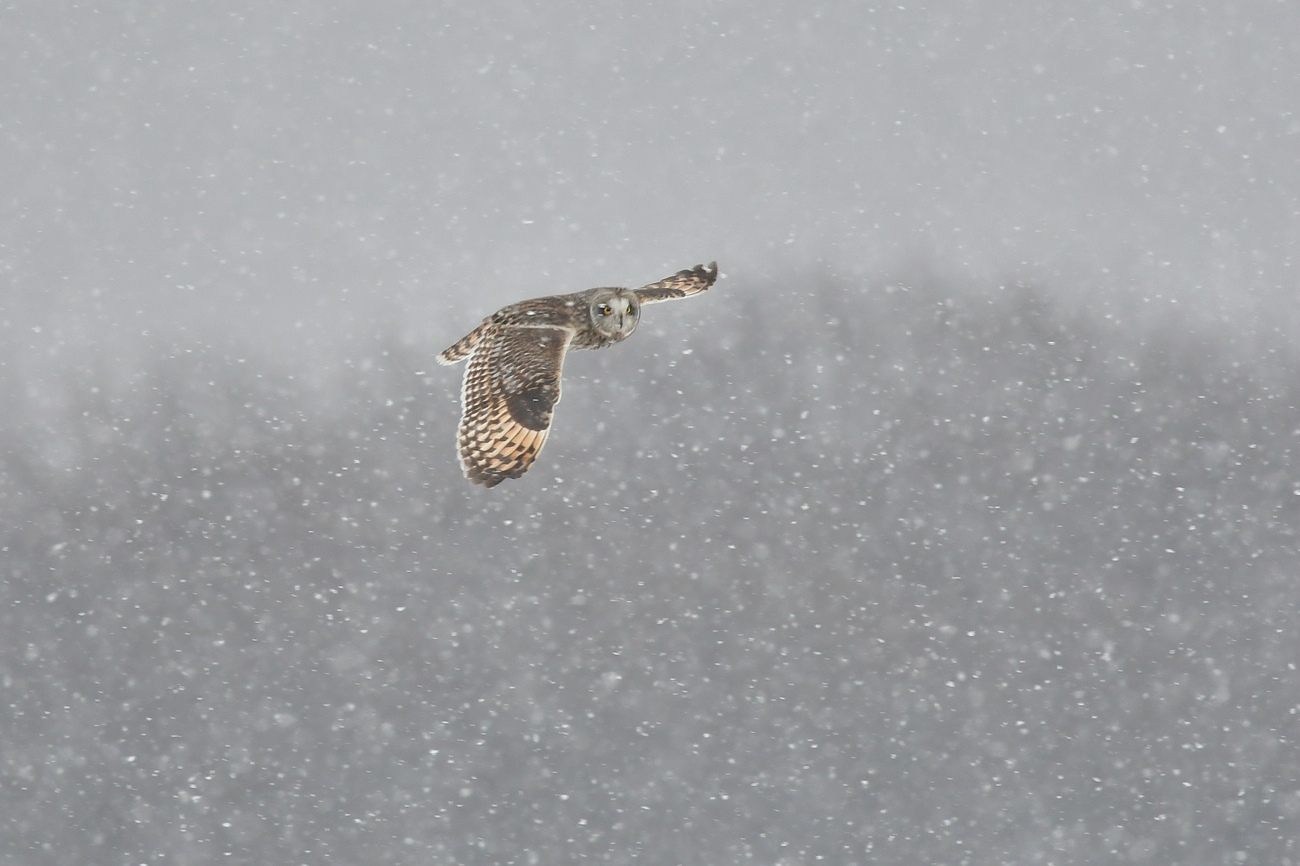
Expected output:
(956, 524)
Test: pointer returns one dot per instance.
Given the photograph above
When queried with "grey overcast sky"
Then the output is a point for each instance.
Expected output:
(866, 555)
(176, 165)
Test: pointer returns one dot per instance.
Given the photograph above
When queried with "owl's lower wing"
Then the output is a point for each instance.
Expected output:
(464, 345)
(512, 384)
(682, 284)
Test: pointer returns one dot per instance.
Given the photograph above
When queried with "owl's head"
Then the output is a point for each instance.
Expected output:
(614, 313)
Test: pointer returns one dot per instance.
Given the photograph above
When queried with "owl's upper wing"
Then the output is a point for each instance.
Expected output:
(682, 284)
(512, 384)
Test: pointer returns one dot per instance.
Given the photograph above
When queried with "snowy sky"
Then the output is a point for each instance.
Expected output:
(866, 555)
(348, 165)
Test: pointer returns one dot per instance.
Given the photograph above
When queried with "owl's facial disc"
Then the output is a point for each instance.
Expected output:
(616, 313)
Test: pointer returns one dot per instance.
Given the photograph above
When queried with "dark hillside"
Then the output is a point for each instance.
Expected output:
(966, 579)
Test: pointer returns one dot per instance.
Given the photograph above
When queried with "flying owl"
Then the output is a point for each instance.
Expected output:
(512, 380)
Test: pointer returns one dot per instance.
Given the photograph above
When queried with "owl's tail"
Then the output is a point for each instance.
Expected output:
(463, 346)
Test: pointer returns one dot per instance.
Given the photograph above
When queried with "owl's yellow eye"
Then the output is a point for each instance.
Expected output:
(604, 309)
(629, 309)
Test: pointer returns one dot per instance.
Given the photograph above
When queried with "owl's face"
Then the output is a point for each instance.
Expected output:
(615, 312)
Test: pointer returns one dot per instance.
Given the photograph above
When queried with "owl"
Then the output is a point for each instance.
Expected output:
(512, 380)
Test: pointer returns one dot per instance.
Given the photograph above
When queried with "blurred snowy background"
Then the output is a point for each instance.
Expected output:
(957, 524)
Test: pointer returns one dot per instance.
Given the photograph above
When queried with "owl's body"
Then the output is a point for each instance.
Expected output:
(512, 380)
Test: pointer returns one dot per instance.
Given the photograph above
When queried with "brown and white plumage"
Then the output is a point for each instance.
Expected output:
(512, 380)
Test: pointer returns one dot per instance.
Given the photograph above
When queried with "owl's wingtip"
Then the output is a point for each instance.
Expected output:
(706, 274)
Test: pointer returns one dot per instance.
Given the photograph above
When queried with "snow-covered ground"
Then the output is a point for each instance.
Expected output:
(956, 524)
